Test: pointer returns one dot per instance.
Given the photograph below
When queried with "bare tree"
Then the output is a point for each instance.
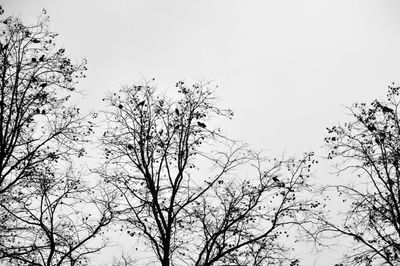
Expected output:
(54, 220)
(124, 260)
(242, 222)
(40, 135)
(157, 153)
(368, 148)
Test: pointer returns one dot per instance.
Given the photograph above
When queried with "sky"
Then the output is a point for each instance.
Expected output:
(286, 68)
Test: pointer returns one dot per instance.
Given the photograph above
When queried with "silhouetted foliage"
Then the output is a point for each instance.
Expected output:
(177, 185)
(368, 148)
(41, 216)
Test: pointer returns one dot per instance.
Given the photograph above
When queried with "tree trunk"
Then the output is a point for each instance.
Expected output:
(165, 261)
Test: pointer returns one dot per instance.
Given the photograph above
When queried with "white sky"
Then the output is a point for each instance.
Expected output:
(285, 67)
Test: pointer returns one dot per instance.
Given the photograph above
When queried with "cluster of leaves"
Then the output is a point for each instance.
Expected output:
(370, 147)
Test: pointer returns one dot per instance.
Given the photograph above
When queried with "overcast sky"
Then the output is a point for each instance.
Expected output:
(286, 68)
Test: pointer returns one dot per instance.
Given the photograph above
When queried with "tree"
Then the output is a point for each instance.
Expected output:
(54, 220)
(36, 80)
(369, 148)
(157, 152)
(241, 222)
(124, 260)
(41, 134)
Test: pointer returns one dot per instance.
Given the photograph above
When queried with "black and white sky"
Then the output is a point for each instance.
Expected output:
(287, 68)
